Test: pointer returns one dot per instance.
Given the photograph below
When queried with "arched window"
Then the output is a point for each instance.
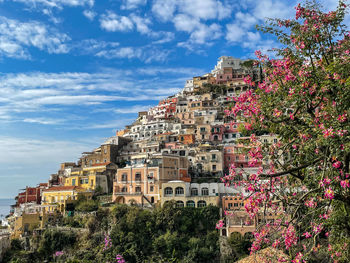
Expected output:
(194, 191)
(179, 204)
(205, 191)
(168, 191)
(190, 203)
(179, 191)
(201, 203)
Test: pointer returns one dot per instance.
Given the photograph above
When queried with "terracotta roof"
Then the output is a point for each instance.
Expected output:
(62, 188)
(268, 254)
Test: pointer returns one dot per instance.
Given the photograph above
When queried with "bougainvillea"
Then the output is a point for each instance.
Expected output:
(303, 98)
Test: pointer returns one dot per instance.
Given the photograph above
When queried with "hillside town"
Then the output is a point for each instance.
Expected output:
(177, 150)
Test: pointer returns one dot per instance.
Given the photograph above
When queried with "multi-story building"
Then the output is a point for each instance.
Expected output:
(58, 197)
(141, 181)
(97, 176)
(194, 194)
(106, 153)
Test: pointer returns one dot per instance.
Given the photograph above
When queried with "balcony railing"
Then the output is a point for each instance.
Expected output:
(127, 193)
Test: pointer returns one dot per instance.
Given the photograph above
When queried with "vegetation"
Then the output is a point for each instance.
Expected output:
(166, 234)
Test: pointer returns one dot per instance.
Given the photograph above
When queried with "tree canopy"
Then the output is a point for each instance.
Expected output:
(304, 99)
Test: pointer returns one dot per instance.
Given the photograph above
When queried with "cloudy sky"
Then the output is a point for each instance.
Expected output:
(72, 72)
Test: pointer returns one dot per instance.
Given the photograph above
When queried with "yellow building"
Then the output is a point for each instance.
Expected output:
(63, 195)
(27, 222)
(89, 178)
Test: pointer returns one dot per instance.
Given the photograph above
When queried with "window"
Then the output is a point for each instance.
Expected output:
(201, 203)
(151, 188)
(214, 167)
(73, 182)
(124, 177)
(179, 191)
(138, 189)
(190, 203)
(138, 177)
(213, 191)
(205, 191)
(105, 150)
(179, 204)
(194, 191)
(213, 156)
(124, 189)
(274, 140)
(168, 191)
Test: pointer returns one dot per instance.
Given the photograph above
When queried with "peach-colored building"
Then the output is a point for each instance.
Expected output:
(141, 182)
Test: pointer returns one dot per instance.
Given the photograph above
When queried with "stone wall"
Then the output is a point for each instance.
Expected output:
(4, 243)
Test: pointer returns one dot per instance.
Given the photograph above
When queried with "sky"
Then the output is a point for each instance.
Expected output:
(73, 72)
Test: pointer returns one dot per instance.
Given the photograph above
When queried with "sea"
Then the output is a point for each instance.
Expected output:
(5, 206)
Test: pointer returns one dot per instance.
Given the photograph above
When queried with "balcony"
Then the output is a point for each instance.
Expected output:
(128, 194)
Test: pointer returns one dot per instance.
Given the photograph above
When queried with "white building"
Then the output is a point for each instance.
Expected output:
(226, 62)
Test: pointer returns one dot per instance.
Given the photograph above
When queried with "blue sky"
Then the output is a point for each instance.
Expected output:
(72, 72)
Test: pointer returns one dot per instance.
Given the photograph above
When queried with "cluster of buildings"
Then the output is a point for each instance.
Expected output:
(159, 157)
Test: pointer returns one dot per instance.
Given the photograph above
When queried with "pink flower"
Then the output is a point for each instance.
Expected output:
(329, 193)
(337, 164)
(307, 235)
(345, 183)
(328, 132)
(290, 238)
(220, 224)
(311, 203)
(120, 259)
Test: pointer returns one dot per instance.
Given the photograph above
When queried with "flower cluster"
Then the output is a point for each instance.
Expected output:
(107, 242)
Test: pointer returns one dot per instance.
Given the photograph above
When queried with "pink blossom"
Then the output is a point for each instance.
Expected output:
(220, 224)
(120, 259)
(329, 193)
(290, 238)
(337, 164)
(307, 235)
(345, 183)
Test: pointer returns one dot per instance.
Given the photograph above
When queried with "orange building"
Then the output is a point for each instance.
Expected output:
(187, 138)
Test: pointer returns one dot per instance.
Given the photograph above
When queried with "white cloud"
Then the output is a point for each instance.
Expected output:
(17, 36)
(204, 9)
(113, 22)
(89, 14)
(25, 95)
(141, 24)
(59, 4)
(132, 4)
(205, 33)
(235, 33)
(146, 54)
(44, 121)
(273, 9)
(164, 9)
(185, 23)
(133, 109)
(93, 46)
